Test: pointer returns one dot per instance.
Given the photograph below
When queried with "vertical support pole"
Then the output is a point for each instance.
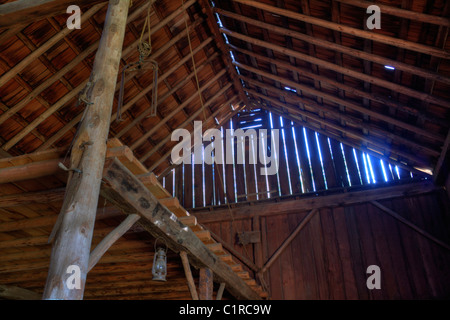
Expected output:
(188, 273)
(74, 229)
(220, 291)
(206, 284)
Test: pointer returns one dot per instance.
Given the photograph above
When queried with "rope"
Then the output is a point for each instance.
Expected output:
(193, 63)
(144, 49)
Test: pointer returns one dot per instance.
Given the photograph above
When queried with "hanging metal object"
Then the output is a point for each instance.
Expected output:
(159, 269)
(144, 49)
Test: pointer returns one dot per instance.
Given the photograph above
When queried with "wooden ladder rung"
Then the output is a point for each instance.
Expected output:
(114, 143)
(250, 282)
(216, 247)
(174, 206)
(227, 258)
(243, 275)
(204, 236)
(236, 267)
(151, 182)
(191, 222)
(127, 158)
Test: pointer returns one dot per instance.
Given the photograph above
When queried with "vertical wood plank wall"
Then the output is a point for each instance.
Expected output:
(328, 259)
(308, 162)
(330, 256)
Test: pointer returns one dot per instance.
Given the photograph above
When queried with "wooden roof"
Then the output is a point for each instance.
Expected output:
(314, 62)
(320, 49)
(40, 92)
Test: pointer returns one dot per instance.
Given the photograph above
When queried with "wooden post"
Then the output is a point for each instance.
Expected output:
(74, 231)
(205, 284)
(220, 291)
(188, 273)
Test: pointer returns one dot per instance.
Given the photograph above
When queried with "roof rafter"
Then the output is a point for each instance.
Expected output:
(23, 12)
(349, 72)
(349, 30)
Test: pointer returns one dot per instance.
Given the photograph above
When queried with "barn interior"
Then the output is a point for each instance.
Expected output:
(350, 103)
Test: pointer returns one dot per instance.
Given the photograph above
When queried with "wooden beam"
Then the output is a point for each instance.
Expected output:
(191, 119)
(288, 240)
(48, 221)
(11, 73)
(164, 157)
(382, 147)
(24, 199)
(48, 167)
(401, 13)
(126, 191)
(167, 154)
(74, 234)
(130, 49)
(441, 170)
(45, 84)
(392, 158)
(31, 170)
(266, 207)
(179, 108)
(171, 92)
(188, 273)
(334, 113)
(16, 293)
(213, 27)
(34, 94)
(410, 225)
(235, 253)
(21, 12)
(220, 291)
(331, 66)
(339, 48)
(205, 285)
(128, 105)
(341, 86)
(44, 115)
(110, 239)
(410, 45)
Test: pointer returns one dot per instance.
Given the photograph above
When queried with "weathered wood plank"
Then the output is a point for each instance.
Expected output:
(288, 206)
